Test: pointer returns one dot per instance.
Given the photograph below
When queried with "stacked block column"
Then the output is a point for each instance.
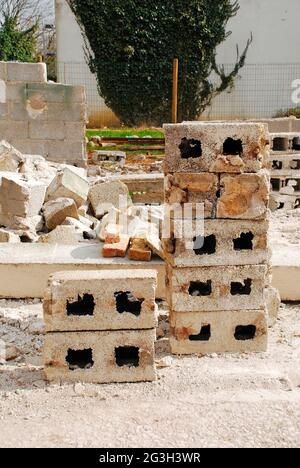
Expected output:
(216, 279)
(101, 326)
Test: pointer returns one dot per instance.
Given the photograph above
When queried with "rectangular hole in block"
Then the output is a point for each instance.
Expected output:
(296, 144)
(198, 288)
(245, 333)
(277, 165)
(204, 335)
(80, 359)
(128, 356)
(83, 306)
(275, 185)
(280, 144)
(190, 148)
(244, 242)
(232, 147)
(205, 245)
(126, 302)
(240, 289)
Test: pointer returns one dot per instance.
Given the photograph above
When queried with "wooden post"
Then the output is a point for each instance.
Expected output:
(175, 91)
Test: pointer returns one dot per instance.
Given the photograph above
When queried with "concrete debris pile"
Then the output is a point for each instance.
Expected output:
(218, 274)
(101, 326)
(50, 203)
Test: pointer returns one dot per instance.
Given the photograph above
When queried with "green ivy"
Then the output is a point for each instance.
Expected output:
(130, 46)
(16, 44)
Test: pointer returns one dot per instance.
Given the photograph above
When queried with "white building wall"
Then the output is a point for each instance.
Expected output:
(273, 60)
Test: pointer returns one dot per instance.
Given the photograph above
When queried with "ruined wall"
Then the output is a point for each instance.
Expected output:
(43, 118)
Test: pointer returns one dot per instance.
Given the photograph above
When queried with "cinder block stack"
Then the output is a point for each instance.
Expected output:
(101, 326)
(217, 279)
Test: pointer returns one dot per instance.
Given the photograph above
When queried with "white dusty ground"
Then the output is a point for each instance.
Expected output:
(223, 401)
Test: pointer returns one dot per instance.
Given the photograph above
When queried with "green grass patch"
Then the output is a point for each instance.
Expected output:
(126, 132)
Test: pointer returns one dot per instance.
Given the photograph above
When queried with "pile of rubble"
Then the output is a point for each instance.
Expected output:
(54, 203)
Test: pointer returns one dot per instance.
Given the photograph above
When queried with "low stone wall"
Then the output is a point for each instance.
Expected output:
(43, 118)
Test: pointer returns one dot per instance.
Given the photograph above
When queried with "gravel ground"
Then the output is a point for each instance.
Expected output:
(213, 401)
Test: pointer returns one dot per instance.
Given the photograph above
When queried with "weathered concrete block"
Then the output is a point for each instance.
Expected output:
(101, 300)
(182, 188)
(244, 196)
(64, 235)
(27, 72)
(69, 184)
(216, 147)
(100, 357)
(215, 288)
(21, 197)
(16, 92)
(72, 152)
(47, 130)
(217, 243)
(51, 92)
(104, 196)
(3, 111)
(56, 211)
(10, 157)
(8, 237)
(11, 131)
(273, 302)
(237, 331)
(74, 131)
(21, 224)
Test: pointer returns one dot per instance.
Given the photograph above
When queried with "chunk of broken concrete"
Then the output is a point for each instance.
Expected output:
(56, 211)
(64, 235)
(69, 183)
(17, 223)
(9, 237)
(10, 158)
(273, 301)
(139, 251)
(104, 196)
(21, 197)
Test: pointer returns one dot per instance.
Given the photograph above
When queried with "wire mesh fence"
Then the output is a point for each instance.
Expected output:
(260, 91)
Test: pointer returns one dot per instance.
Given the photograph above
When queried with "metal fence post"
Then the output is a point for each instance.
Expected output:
(175, 91)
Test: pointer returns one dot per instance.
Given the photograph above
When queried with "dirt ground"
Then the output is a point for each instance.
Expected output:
(213, 401)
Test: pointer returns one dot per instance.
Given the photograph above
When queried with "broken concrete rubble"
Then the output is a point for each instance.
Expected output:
(56, 211)
(65, 235)
(10, 158)
(21, 197)
(104, 196)
(8, 236)
(69, 183)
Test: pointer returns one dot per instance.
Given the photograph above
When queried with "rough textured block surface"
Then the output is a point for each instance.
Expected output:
(28, 72)
(21, 197)
(215, 288)
(69, 183)
(244, 196)
(217, 243)
(216, 147)
(219, 332)
(101, 300)
(181, 188)
(56, 211)
(100, 357)
(104, 196)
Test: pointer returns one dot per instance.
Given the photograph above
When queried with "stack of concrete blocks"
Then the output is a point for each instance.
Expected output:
(101, 326)
(285, 171)
(218, 280)
(40, 117)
